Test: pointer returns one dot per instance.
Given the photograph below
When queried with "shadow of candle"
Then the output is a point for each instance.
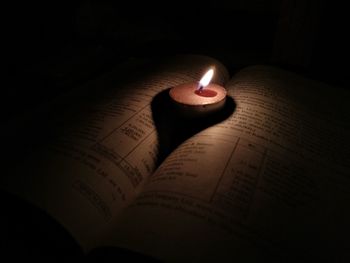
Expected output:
(173, 127)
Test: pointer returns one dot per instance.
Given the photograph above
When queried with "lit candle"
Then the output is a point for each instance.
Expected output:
(199, 98)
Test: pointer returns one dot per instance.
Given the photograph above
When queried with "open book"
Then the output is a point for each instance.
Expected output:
(269, 177)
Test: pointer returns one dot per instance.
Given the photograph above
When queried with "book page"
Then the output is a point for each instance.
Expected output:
(271, 182)
(102, 146)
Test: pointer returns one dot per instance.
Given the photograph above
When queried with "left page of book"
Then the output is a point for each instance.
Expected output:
(102, 145)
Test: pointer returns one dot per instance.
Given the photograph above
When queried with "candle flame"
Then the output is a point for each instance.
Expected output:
(206, 79)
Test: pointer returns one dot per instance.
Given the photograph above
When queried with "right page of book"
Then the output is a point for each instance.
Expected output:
(270, 182)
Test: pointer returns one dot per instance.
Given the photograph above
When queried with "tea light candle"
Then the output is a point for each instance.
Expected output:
(198, 99)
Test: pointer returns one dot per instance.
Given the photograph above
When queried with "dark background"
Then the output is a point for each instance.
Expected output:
(53, 47)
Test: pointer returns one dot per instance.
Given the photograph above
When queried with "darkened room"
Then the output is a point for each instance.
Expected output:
(53, 47)
(60, 52)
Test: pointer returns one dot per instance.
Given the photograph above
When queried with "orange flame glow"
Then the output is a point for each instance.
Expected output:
(205, 80)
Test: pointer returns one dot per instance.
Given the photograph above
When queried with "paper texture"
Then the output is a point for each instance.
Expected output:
(103, 151)
(272, 180)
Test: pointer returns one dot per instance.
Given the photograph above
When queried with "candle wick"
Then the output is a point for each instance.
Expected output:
(200, 87)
